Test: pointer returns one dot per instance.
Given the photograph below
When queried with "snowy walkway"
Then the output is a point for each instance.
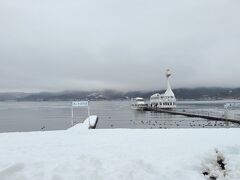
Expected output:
(82, 154)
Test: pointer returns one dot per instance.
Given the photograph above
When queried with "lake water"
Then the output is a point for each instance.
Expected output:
(41, 116)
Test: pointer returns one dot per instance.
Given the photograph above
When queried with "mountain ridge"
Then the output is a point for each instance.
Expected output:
(181, 94)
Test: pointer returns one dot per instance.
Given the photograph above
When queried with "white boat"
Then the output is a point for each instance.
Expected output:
(139, 103)
(166, 100)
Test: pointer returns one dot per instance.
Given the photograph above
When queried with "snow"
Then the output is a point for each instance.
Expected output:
(92, 121)
(89, 123)
(119, 154)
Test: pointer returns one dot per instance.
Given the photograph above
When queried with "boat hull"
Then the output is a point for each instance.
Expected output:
(139, 107)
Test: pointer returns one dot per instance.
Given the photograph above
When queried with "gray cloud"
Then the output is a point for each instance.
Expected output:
(127, 45)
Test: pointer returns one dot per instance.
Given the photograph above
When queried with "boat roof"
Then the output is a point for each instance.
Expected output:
(166, 94)
(157, 94)
(139, 98)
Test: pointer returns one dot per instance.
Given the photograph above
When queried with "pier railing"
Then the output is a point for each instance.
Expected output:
(204, 112)
(211, 115)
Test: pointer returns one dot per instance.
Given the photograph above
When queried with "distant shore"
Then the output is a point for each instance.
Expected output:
(203, 94)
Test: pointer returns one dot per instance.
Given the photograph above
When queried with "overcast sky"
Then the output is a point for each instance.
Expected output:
(55, 45)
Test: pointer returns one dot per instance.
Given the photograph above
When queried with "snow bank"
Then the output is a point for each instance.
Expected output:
(114, 154)
(88, 123)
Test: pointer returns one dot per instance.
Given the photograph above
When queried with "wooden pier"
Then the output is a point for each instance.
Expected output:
(191, 114)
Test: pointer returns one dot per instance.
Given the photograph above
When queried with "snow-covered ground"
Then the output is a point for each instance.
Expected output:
(82, 154)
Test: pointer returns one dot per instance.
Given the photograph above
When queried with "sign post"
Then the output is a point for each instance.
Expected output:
(72, 117)
(80, 104)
